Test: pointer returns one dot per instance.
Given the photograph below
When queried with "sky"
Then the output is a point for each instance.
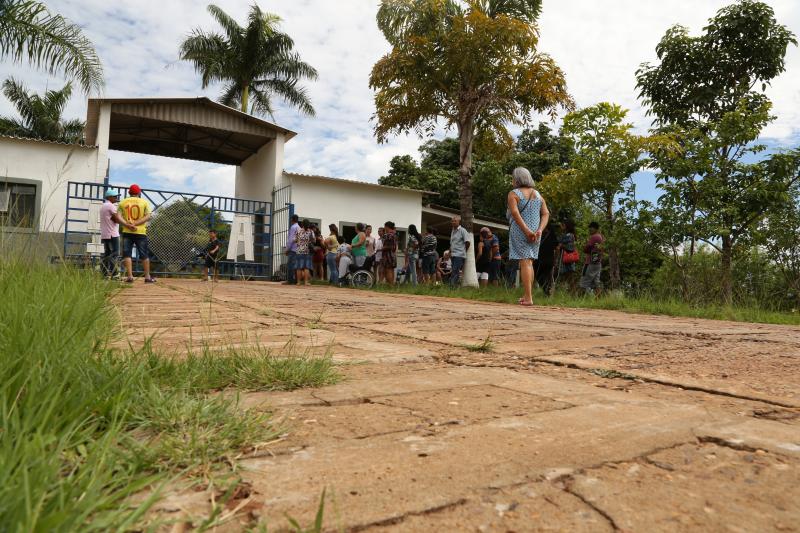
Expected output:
(598, 44)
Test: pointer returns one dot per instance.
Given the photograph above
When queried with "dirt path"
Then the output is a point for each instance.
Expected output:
(571, 420)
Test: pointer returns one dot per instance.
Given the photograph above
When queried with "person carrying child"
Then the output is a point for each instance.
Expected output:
(210, 254)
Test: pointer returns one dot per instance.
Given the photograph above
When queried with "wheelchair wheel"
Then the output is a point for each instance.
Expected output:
(362, 280)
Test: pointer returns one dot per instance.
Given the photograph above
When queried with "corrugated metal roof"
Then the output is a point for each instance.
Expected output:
(33, 139)
(357, 182)
(200, 111)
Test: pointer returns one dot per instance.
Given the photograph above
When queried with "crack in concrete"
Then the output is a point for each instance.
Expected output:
(394, 520)
(610, 519)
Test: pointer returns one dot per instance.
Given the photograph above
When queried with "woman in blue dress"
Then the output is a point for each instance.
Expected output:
(528, 215)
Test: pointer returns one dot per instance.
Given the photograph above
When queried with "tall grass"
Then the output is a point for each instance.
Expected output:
(84, 428)
(618, 302)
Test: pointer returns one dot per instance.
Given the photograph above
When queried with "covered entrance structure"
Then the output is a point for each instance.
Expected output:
(197, 129)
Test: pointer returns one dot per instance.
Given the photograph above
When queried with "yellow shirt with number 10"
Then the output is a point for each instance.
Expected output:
(132, 209)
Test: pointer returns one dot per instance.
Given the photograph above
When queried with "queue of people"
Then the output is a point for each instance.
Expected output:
(538, 251)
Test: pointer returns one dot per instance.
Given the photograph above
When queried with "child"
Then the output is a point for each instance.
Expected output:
(593, 267)
(211, 252)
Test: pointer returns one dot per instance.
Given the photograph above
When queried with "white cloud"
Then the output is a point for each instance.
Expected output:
(599, 44)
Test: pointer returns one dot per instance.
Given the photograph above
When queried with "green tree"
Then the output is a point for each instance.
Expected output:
(40, 116)
(28, 31)
(607, 154)
(256, 62)
(473, 64)
(707, 93)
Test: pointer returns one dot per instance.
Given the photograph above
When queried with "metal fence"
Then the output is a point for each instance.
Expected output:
(177, 232)
(283, 209)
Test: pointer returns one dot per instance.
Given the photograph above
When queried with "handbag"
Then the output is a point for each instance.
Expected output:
(569, 258)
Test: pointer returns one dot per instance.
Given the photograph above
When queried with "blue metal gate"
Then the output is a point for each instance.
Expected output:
(178, 231)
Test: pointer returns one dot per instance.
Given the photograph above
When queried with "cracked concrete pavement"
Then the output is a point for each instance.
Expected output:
(576, 420)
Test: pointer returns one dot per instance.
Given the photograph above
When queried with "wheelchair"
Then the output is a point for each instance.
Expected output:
(361, 277)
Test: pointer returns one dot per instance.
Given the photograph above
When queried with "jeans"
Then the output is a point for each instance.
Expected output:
(333, 270)
(110, 256)
(290, 268)
(411, 275)
(512, 268)
(458, 269)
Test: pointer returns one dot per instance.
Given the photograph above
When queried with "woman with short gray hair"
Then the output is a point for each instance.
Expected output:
(527, 217)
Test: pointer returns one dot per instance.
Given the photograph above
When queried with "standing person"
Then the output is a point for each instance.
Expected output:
(332, 245)
(389, 252)
(569, 255)
(412, 253)
(210, 255)
(109, 232)
(428, 252)
(459, 246)
(304, 239)
(528, 215)
(370, 241)
(344, 258)
(291, 250)
(135, 211)
(377, 264)
(318, 253)
(547, 260)
(593, 266)
(488, 258)
(359, 245)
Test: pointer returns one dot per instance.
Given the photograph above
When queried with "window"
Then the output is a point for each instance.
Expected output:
(402, 239)
(347, 230)
(19, 204)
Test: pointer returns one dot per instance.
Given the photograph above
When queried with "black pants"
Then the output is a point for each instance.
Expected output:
(110, 256)
(544, 276)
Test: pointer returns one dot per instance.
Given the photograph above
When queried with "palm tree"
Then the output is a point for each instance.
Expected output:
(255, 62)
(40, 116)
(28, 30)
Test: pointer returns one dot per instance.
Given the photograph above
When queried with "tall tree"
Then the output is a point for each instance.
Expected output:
(471, 63)
(607, 154)
(255, 62)
(28, 31)
(707, 92)
(40, 116)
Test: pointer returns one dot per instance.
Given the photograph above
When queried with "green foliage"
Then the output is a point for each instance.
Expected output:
(40, 116)
(255, 62)
(706, 92)
(29, 31)
(474, 65)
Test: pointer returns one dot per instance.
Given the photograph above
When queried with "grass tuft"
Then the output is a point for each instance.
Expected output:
(83, 428)
(613, 302)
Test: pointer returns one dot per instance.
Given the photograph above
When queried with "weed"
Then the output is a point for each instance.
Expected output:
(316, 321)
(486, 346)
(610, 374)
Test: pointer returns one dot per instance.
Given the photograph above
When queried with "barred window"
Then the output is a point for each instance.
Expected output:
(18, 206)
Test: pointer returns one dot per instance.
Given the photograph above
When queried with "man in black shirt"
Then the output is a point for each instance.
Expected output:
(546, 261)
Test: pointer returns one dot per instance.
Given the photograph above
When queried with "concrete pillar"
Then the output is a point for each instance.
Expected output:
(261, 172)
(102, 140)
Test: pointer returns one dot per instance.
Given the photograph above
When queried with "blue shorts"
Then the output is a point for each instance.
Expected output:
(129, 240)
(302, 262)
(429, 265)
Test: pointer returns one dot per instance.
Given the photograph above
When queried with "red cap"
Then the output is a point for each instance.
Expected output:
(135, 189)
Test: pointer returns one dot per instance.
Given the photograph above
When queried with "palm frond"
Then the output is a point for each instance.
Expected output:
(261, 103)
(231, 27)
(290, 92)
(12, 126)
(28, 30)
(209, 53)
(73, 131)
(55, 101)
(16, 93)
(232, 95)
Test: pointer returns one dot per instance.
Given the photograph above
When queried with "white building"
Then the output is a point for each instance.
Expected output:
(34, 174)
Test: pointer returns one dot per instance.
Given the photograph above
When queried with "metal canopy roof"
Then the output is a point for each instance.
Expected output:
(186, 128)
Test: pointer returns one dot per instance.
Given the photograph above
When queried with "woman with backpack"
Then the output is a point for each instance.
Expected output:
(528, 216)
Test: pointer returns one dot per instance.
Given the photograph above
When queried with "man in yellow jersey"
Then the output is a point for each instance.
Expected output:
(135, 211)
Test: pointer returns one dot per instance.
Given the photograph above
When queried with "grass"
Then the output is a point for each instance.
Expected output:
(627, 304)
(83, 428)
(485, 346)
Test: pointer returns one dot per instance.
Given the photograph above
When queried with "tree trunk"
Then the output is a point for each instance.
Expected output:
(727, 270)
(245, 97)
(613, 249)
(466, 135)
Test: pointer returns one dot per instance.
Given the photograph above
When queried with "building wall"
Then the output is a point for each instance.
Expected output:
(259, 174)
(335, 202)
(53, 165)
